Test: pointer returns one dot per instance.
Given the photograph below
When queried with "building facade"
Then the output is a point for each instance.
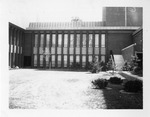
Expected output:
(136, 48)
(61, 44)
(63, 47)
(16, 38)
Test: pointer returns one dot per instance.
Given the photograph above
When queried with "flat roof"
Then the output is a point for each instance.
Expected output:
(76, 26)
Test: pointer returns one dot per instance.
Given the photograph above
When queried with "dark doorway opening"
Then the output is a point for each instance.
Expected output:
(140, 59)
(27, 61)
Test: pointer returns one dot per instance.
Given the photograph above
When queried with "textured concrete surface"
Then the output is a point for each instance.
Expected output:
(40, 89)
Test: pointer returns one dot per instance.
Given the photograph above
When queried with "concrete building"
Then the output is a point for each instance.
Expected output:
(16, 43)
(123, 16)
(60, 44)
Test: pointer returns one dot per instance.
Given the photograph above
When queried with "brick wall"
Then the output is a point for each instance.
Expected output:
(138, 38)
(27, 44)
(118, 41)
(135, 47)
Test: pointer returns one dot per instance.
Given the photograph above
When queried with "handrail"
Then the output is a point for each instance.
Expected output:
(128, 46)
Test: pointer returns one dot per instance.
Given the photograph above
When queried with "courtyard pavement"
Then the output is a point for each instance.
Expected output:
(45, 89)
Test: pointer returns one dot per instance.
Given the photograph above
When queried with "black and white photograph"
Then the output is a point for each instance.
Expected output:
(73, 56)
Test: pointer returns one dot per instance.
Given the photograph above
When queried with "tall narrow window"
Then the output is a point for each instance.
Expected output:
(71, 40)
(47, 49)
(15, 49)
(103, 49)
(83, 61)
(90, 40)
(59, 40)
(47, 40)
(14, 45)
(96, 58)
(65, 60)
(59, 44)
(35, 44)
(77, 59)
(53, 61)
(11, 50)
(47, 60)
(53, 40)
(41, 48)
(103, 40)
(47, 43)
(59, 61)
(41, 60)
(36, 40)
(96, 40)
(90, 58)
(35, 60)
(21, 50)
(65, 40)
(84, 40)
(78, 40)
(71, 59)
(42, 40)
(18, 45)
(103, 58)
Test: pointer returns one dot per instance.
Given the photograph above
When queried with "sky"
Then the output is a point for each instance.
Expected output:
(21, 12)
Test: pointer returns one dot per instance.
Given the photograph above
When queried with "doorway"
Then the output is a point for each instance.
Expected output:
(27, 61)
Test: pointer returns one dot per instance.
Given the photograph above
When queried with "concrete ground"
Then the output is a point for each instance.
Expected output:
(44, 89)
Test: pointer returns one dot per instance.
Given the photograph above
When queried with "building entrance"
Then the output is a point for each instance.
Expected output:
(27, 61)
